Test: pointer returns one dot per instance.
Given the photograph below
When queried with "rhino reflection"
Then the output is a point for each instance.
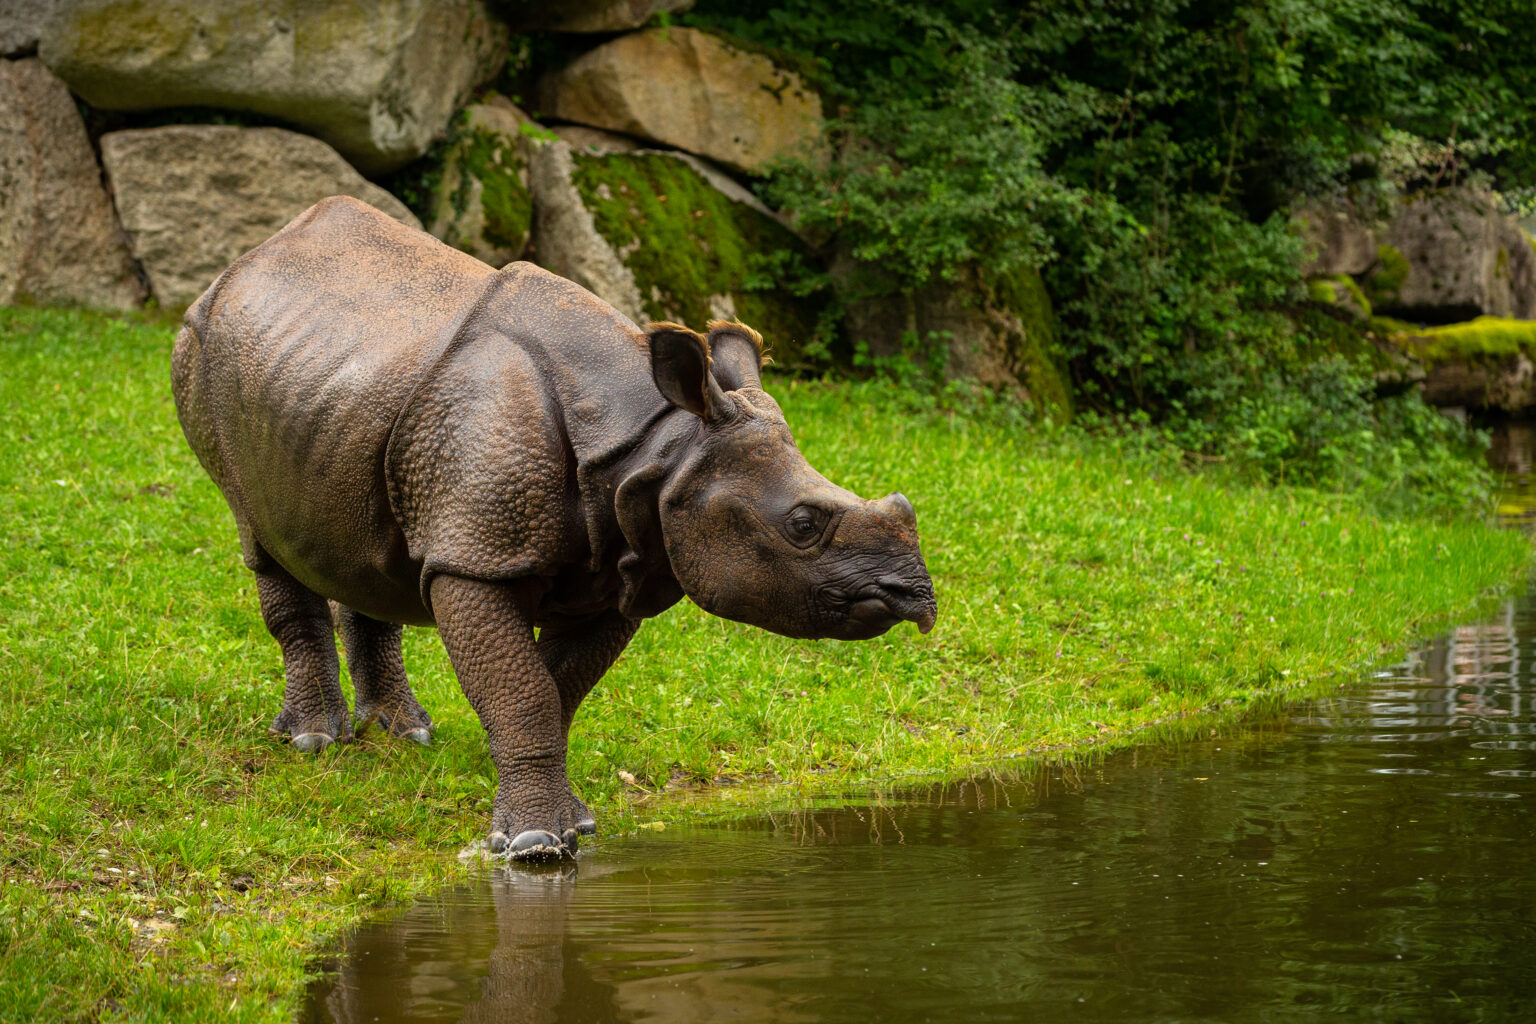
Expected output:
(451, 960)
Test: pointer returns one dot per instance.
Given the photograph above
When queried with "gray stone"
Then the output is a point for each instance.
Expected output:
(1465, 258)
(194, 197)
(60, 242)
(594, 140)
(482, 204)
(1505, 383)
(565, 238)
(1340, 239)
(593, 15)
(21, 22)
(692, 90)
(378, 80)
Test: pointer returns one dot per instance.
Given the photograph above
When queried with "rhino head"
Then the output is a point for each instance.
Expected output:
(751, 531)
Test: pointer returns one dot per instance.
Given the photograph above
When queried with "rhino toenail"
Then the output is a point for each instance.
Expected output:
(312, 742)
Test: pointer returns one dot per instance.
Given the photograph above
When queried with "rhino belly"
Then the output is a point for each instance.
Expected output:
(303, 441)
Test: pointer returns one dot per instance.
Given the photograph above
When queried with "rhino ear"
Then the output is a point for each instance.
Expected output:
(737, 354)
(680, 368)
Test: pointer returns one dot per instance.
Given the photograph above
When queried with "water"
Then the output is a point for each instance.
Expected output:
(1372, 855)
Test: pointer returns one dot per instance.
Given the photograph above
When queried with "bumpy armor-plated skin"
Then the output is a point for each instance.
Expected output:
(406, 435)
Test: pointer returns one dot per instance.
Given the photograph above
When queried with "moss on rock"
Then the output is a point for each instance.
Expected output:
(695, 253)
(1384, 282)
(1342, 291)
(506, 207)
(481, 203)
(1486, 338)
(1032, 351)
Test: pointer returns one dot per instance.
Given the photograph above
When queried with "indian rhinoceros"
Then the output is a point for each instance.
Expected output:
(407, 435)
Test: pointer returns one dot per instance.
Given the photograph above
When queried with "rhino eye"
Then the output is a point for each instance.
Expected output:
(805, 525)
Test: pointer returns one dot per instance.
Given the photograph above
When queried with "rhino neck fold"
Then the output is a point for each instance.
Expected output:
(635, 483)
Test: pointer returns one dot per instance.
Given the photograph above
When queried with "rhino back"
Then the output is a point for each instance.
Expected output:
(307, 349)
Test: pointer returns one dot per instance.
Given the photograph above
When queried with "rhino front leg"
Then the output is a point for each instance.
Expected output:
(314, 711)
(378, 674)
(488, 632)
(579, 652)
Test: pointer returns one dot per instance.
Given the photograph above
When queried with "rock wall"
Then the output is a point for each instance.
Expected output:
(59, 240)
(633, 175)
(377, 80)
(194, 197)
(1437, 257)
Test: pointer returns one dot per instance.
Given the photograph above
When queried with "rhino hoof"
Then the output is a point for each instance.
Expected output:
(312, 742)
(537, 845)
(422, 736)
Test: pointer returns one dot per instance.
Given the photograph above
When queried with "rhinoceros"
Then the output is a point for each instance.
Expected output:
(406, 435)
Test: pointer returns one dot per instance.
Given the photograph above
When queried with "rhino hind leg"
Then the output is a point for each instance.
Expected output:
(487, 629)
(314, 711)
(378, 674)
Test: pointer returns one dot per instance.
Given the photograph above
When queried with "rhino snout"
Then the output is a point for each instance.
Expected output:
(873, 609)
(911, 602)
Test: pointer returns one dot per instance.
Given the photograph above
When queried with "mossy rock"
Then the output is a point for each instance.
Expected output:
(996, 329)
(481, 203)
(1021, 306)
(695, 253)
(1341, 291)
(1384, 282)
(1480, 340)
(1485, 363)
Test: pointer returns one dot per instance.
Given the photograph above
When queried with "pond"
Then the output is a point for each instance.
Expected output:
(1371, 854)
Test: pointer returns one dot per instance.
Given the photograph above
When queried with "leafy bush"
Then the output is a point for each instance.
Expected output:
(1144, 154)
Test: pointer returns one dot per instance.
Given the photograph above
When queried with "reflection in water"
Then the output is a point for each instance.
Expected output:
(1368, 855)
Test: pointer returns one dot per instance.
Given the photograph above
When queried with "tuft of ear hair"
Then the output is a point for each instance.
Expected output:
(680, 368)
(668, 326)
(717, 327)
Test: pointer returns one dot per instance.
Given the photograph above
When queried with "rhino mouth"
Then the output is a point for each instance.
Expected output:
(872, 611)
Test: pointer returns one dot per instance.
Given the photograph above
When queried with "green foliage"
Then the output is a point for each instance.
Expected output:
(1088, 587)
(1323, 426)
(922, 184)
(1386, 278)
(1144, 153)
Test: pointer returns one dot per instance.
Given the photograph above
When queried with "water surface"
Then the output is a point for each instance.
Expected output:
(1371, 855)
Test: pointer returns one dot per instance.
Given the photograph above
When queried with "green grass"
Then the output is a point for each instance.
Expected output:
(162, 859)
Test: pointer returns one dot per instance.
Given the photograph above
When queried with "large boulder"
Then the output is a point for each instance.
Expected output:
(1464, 258)
(996, 329)
(1340, 238)
(593, 15)
(481, 204)
(60, 242)
(194, 197)
(691, 90)
(21, 22)
(650, 233)
(1488, 363)
(377, 80)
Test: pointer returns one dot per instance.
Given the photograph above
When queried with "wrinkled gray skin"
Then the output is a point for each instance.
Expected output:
(416, 437)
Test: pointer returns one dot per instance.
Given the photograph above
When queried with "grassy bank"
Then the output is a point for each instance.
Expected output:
(162, 859)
